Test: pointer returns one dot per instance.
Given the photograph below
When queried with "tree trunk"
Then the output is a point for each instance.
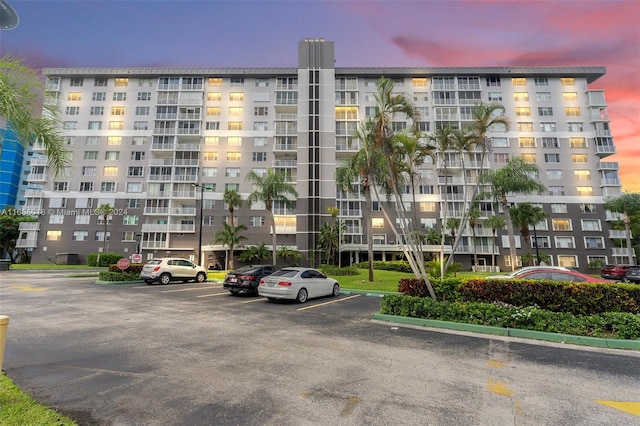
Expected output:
(627, 228)
(367, 198)
(273, 224)
(512, 238)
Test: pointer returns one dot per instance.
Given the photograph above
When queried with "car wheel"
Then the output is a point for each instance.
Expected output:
(234, 292)
(271, 299)
(336, 290)
(165, 278)
(201, 277)
(302, 295)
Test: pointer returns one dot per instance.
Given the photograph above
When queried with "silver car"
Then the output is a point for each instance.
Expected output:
(298, 284)
(167, 269)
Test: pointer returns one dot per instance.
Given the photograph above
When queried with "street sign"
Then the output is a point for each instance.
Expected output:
(136, 258)
(123, 264)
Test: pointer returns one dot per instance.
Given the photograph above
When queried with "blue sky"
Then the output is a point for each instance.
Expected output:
(210, 33)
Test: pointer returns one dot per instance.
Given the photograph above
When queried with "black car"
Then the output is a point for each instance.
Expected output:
(247, 278)
(632, 275)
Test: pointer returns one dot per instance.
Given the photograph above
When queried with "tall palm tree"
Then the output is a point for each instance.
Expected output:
(514, 177)
(627, 204)
(232, 199)
(104, 211)
(20, 90)
(474, 214)
(230, 236)
(523, 216)
(269, 188)
(495, 222)
(452, 224)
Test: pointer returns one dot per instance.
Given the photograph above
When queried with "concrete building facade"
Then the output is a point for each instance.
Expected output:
(162, 145)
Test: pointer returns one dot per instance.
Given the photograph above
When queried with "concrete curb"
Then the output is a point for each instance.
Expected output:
(367, 292)
(514, 332)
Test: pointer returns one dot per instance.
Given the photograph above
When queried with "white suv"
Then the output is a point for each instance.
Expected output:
(167, 269)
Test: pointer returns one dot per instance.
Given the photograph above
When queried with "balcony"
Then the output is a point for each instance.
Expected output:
(187, 147)
(160, 178)
(163, 146)
(613, 216)
(608, 165)
(164, 131)
(187, 211)
(185, 178)
(618, 234)
(30, 242)
(622, 251)
(605, 150)
(150, 245)
(39, 162)
(183, 194)
(175, 228)
(156, 211)
(37, 177)
(33, 193)
(610, 182)
(29, 226)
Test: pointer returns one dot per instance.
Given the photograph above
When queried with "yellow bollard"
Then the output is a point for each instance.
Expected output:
(4, 324)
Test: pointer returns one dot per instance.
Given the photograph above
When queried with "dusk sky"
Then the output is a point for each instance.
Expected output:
(265, 33)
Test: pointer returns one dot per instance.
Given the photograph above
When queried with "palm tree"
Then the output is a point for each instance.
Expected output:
(514, 177)
(104, 210)
(474, 214)
(20, 87)
(230, 236)
(232, 199)
(627, 204)
(286, 252)
(523, 216)
(452, 224)
(495, 222)
(269, 188)
(255, 253)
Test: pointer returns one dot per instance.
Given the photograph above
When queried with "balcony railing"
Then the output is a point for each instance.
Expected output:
(618, 234)
(29, 226)
(622, 251)
(156, 210)
(183, 210)
(33, 193)
(30, 242)
(147, 245)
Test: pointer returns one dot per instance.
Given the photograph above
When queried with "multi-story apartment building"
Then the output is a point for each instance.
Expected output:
(149, 141)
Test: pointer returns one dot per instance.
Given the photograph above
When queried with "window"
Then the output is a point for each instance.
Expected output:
(112, 155)
(100, 82)
(377, 222)
(236, 96)
(74, 96)
(500, 143)
(108, 187)
(567, 81)
(209, 171)
(54, 235)
(554, 174)
(70, 125)
(577, 142)
(72, 110)
(56, 219)
(500, 157)
(232, 172)
(548, 127)
(210, 156)
(119, 96)
(420, 96)
(550, 143)
(214, 96)
(261, 111)
(83, 219)
(524, 126)
(565, 242)
(569, 96)
(236, 82)
(80, 236)
(523, 111)
(588, 208)
(91, 155)
(60, 186)
(578, 158)
(140, 125)
(130, 219)
(259, 156)
(96, 110)
(215, 81)
(545, 111)
(212, 125)
(235, 111)
(543, 96)
(520, 96)
(572, 111)
(552, 158)
(493, 81)
(99, 96)
(212, 140)
(582, 174)
(114, 140)
(234, 125)
(259, 141)
(556, 190)
(541, 81)
(257, 221)
(558, 208)
(117, 110)
(86, 187)
(144, 96)
(519, 81)
(528, 157)
(122, 82)
(584, 191)
(142, 110)
(575, 127)
(591, 225)
(95, 125)
(138, 140)
(495, 96)
(427, 206)
(593, 242)
(561, 224)
(132, 203)
(110, 171)
(100, 236)
(260, 125)
(135, 171)
(234, 156)
(232, 187)
(116, 125)
(527, 142)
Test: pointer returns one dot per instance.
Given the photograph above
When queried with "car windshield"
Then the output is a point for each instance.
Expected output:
(285, 273)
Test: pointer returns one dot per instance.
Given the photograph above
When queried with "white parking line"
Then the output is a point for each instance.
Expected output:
(328, 303)
(214, 294)
(259, 299)
(188, 289)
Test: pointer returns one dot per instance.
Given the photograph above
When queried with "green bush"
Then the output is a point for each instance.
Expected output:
(118, 276)
(395, 265)
(446, 289)
(106, 259)
(341, 272)
(616, 325)
(134, 268)
(557, 296)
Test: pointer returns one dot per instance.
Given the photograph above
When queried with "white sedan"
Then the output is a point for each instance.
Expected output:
(297, 284)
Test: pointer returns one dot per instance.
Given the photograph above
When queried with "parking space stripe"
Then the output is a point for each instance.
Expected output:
(260, 299)
(214, 294)
(188, 289)
(328, 303)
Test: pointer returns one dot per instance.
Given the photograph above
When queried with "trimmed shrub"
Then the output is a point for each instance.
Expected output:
(447, 289)
(335, 271)
(106, 259)
(118, 276)
(134, 268)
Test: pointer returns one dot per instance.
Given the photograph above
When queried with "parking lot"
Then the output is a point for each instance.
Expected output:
(193, 354)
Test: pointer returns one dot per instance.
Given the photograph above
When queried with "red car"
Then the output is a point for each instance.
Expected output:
(558, 275)
(614, 272)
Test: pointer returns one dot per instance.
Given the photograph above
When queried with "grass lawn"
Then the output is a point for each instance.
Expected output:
(18, 408)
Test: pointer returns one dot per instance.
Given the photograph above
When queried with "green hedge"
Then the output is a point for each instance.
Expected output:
(617, 325)
(134, 268)
(106, 259)
(119, 276)
(339, 272)
(395, 265)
